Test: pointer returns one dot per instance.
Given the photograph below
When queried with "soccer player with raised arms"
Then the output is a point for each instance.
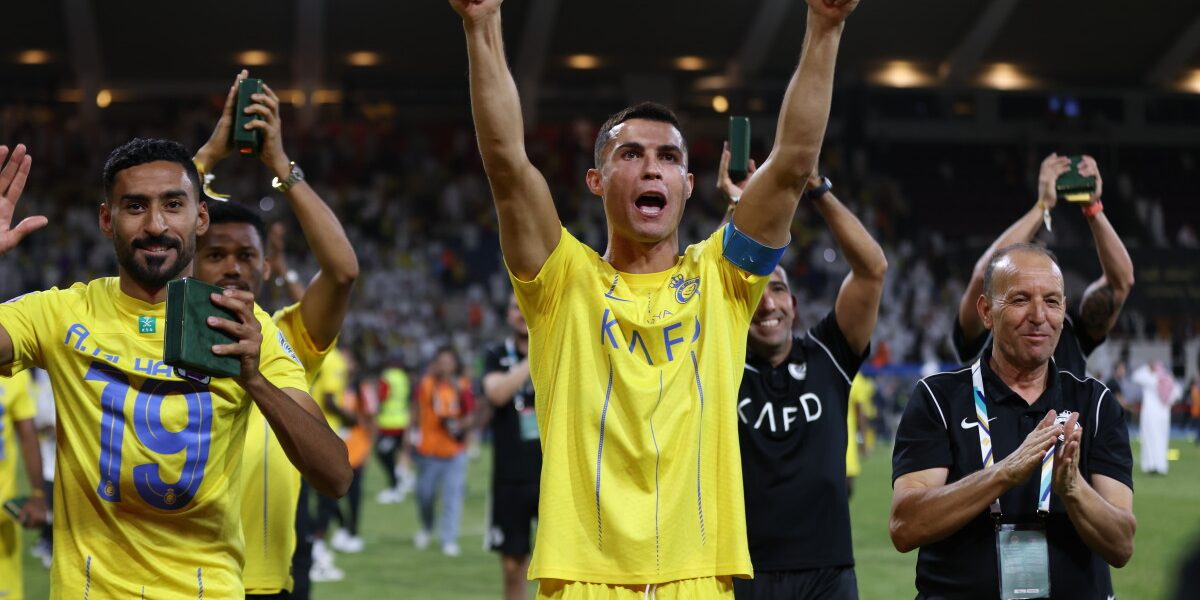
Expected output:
(149, 460)
(636, 354)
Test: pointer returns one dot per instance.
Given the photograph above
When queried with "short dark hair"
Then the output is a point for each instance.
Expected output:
(232, 212)
(1005, 251)
(140, 151)
(650, 111)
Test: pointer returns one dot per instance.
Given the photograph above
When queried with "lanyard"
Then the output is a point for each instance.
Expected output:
(519, 398)
(985, 447)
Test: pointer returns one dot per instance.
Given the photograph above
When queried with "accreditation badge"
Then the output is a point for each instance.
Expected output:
(529, 426)
(1024, 561)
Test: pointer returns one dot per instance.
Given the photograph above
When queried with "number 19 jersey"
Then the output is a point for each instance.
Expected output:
(149, 457)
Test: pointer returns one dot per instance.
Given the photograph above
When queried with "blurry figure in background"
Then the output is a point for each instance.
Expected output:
(360, 401)
(47, 441)
(517, 454)
(444, 409)
(1159, 392)
(1194, 398)
(332, 382)
(17, 410)
(394, 412)
(860, 439)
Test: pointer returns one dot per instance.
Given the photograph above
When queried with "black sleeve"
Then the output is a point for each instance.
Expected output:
(1110, 454)
(922, 439)
(966, 350)
(829, 336)
(1086, 344)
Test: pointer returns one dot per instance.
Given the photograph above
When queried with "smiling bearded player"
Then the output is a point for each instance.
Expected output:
(635, 354)
(146, 498)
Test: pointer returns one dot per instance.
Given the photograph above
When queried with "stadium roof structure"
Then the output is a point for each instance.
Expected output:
(574, 51)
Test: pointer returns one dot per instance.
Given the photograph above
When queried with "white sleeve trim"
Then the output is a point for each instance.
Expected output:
(835, 362)
(936, 404)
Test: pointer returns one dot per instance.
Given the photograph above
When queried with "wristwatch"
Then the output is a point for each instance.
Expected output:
(820, 190)
(296, 176)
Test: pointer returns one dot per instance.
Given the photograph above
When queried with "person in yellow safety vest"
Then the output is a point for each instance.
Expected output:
(394, 392)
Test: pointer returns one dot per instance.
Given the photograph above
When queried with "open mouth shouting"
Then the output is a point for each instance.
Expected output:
(651, 203)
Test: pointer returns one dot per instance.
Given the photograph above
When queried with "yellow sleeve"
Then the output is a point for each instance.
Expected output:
(742, 288)
(291, 323)
(277, 360)
(539, 297)
(23, 406)
(22, 317)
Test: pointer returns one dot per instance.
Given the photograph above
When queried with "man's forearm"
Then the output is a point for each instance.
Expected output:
(1114, 258)
(31, 452)
(501, 387)
(1106, 529)
(315, 450)
(495, 105)
(922, 516)
(862, 252)
(324, 234)
(805, 111)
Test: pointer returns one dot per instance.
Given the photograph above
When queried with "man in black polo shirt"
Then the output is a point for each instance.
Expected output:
(517, 455)
(792, 409)
(1101, 303)
(968, 484)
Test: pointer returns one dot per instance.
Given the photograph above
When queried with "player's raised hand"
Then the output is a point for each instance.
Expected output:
(1089, 168)
(246, 330)
(725, 184)
(1052, 167)
(13, 175)
(220, 143)
(266, 106)
(473, 11)
(832, 11)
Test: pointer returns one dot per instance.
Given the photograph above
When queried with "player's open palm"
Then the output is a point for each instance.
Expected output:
(1027, 458)
(475, 10)
(13, 174)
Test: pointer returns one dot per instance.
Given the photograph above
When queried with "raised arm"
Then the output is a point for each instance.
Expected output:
(1023, 230)
(766, 208)
(1103, 299)
(325, 301)
(926, 510)
(857, 306)
(529, 225)
(13, 175)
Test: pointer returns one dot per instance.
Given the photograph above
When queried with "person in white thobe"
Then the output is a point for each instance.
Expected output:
(1159, 392)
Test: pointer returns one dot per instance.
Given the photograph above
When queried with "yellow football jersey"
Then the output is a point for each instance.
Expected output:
(332, 380)
(16, 404)
(271, 484)
(636, 378)
(146, 501)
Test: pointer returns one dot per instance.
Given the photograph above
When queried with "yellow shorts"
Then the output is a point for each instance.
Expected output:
(701, 588)
(10, 559)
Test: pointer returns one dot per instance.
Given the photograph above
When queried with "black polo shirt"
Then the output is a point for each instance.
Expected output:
(792, 432)
(1071, 354)
(936, 431)
(514, 460)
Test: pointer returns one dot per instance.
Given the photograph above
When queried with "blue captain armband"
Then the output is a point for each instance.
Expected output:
(749, 255)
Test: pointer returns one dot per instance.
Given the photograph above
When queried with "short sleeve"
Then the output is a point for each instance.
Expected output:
(742, 288)
(922, 439)
(278, 361)
(828, 335)
(23, 405)
(22, 317)
(540, 296)
(1109, 452)
(291, 322)
(966, 350)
